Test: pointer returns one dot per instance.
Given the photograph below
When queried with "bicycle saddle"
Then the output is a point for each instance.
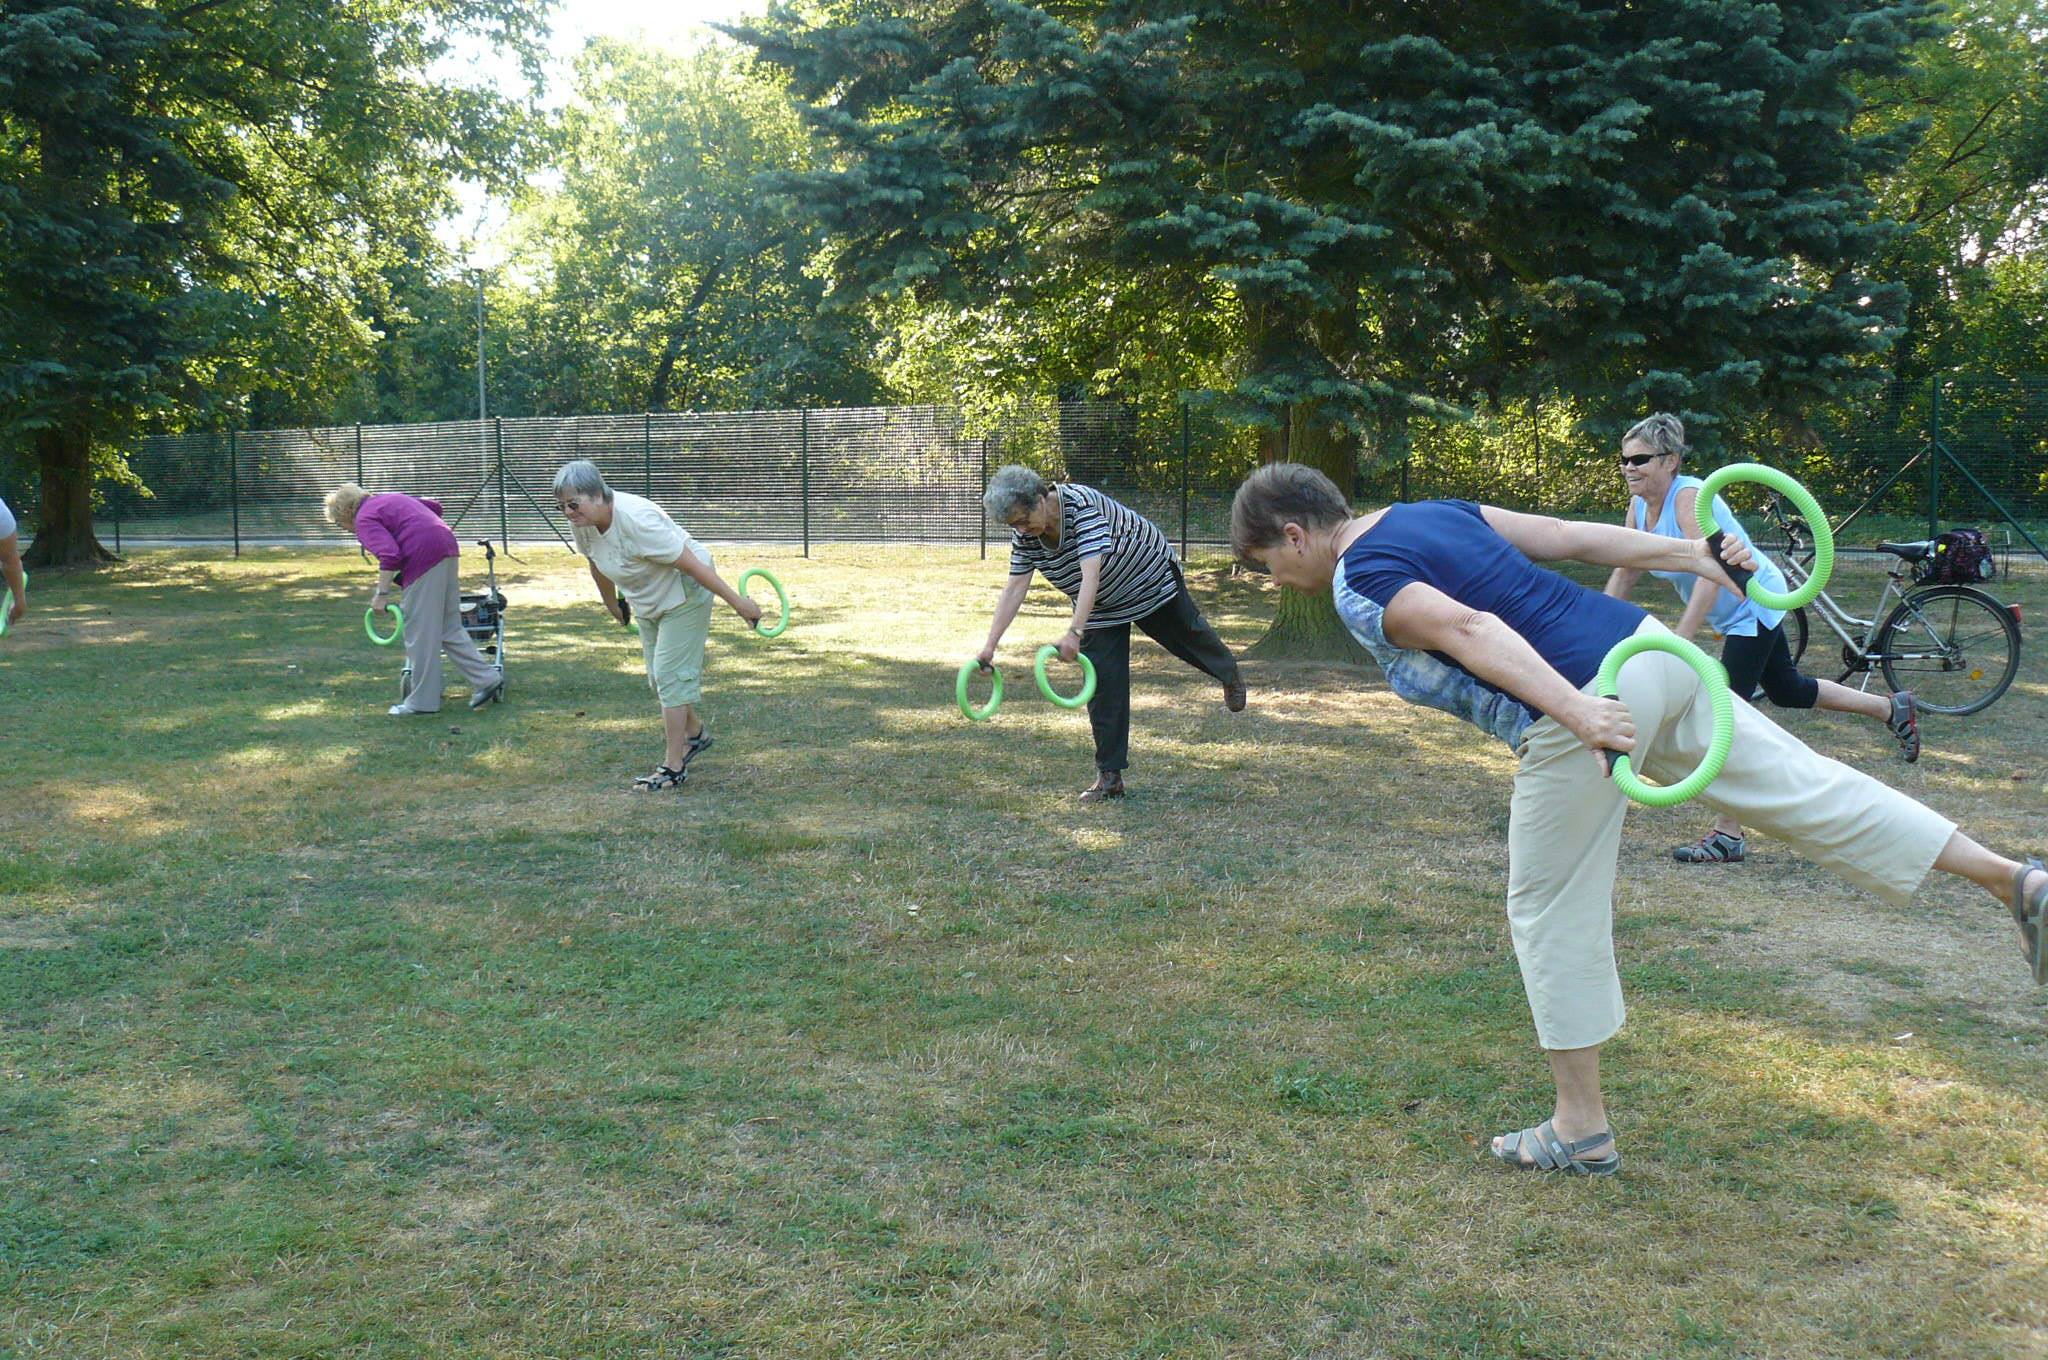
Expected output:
(1908, 552)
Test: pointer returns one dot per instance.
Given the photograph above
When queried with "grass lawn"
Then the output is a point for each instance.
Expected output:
(324, 1034)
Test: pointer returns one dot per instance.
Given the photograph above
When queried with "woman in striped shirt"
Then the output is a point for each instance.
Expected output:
(1119, 570)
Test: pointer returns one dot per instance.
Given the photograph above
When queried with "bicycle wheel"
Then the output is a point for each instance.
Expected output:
(1795, 633)
(1956, 648)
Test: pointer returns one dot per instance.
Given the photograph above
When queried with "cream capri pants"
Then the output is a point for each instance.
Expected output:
(1564, 832)
(673, 645)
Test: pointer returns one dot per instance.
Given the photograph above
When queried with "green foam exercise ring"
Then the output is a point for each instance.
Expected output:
(781, 598)
(1816, 523)
(7, 602)
(1719, 698)
(1047, 653)
(995, 696)
(397, 626)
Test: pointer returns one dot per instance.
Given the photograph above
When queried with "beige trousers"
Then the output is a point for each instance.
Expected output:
(1564, 832)
(433, 623)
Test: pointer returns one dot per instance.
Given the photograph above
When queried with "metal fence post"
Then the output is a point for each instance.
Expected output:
(235, 490)
(804, 471)
(980, 510)
(647, 454)
(1183, 476)
(1934, 461)
(359, 453)
(498, 432)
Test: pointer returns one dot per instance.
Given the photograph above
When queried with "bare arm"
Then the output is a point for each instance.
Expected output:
(705, 575)
(16, 580)
(1421, 617)
(1084, 603)
(1697, 607)
(1012, 600)
(1622, 580)
(1703, 598)
(1543, 538)
(605, 591)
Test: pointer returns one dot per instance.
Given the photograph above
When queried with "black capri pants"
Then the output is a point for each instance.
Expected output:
(1767, 659)
(1179, 627)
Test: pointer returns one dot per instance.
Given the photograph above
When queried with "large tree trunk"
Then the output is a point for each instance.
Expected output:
(1306, 627)
(64, 534)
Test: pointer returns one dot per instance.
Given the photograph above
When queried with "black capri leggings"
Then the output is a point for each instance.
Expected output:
(1767, 657)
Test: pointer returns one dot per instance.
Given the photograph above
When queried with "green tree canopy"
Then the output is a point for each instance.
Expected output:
(1973, 196)
(195, 196)
(662, 277)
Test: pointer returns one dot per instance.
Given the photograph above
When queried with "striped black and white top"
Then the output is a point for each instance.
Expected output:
(1138, 574)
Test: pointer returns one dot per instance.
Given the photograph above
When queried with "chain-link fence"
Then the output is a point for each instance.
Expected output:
(1913, 459)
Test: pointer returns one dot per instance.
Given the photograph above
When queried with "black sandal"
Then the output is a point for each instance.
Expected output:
(662, 778)
(697, 746)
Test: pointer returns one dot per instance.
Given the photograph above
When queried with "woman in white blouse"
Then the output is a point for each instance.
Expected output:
(646, 566)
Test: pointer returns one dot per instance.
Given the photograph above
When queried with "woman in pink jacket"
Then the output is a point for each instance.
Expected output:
(416, 552)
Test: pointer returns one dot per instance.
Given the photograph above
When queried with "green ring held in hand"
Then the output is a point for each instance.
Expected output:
(397, 626)
(1718, 696)
(1816, 524)
(1047, 653)
(995, 697)
(7, 602)
(781, 598)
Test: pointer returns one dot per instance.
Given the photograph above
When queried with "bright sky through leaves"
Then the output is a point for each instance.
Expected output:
(676, 24)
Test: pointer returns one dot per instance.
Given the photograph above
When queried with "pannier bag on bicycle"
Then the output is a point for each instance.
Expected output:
(1961, 557)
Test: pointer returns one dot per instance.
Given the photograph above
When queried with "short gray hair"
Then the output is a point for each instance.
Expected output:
(1663, 432)
(1012, 488)
(582, 479)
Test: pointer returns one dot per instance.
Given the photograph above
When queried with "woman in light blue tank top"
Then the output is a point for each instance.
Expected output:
(1753, 646)
(1729, 614)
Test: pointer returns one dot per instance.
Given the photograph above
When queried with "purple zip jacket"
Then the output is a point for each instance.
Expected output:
(405, 534)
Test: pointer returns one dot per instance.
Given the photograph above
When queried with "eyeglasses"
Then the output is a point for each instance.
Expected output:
(1638, 459)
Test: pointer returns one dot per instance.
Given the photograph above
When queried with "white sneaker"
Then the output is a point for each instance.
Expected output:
(407, 711)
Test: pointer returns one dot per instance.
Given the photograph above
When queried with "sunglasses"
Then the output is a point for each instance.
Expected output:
(1638, 459)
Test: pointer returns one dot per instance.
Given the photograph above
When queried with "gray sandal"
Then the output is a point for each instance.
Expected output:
(1905, 724)
(2032, 916)
(1548, 1152)
(1716, 847)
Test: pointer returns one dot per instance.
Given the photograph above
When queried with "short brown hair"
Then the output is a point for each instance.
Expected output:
(1277, 495)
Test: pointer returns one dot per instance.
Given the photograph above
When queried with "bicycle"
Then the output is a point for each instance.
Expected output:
(1955, 646)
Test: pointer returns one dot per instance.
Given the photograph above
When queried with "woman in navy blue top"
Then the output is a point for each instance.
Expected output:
(1447, 597)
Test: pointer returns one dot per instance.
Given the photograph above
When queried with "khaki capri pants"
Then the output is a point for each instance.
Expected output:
(673, 645)
(1564, 832)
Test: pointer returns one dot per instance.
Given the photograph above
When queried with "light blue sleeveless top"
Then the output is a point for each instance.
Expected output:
(1732, 615)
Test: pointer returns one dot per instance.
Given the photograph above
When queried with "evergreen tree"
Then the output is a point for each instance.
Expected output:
(1660, 205)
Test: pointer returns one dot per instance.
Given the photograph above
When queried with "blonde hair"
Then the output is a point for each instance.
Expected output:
(343, 502)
